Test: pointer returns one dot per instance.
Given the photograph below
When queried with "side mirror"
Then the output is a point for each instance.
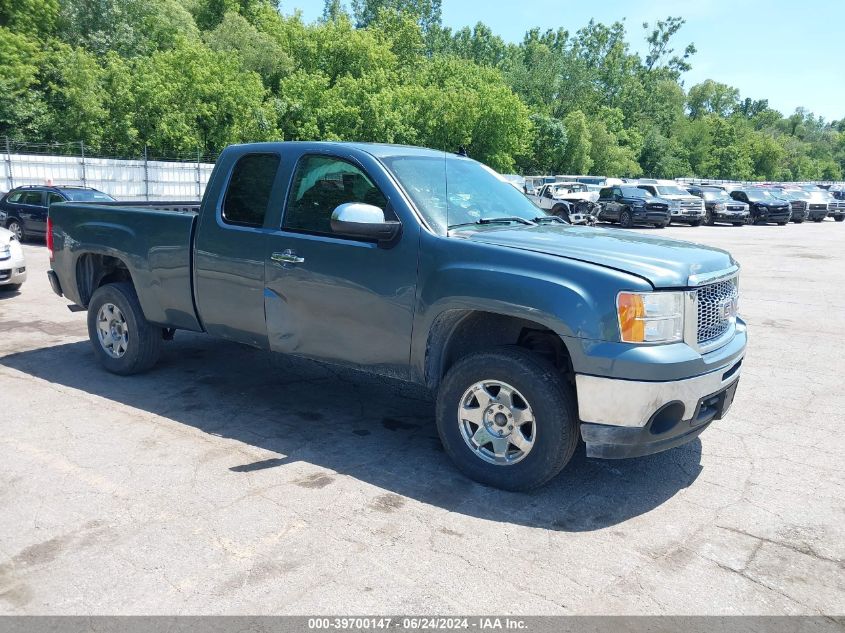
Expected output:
(356, 219)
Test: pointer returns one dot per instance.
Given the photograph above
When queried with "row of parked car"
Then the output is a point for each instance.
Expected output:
(661, 202)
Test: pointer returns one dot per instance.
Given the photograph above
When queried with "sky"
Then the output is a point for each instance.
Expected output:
(791, 53)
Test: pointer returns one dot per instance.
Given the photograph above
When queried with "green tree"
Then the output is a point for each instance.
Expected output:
(576, 157)
(712, 97)
(21, 106)
(548, 147)
(29, 17)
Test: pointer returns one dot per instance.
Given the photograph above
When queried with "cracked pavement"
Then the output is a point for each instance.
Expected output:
(232, 481)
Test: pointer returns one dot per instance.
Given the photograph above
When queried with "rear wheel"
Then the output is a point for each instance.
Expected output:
(124, 341)
(626, 219)
(507, 418)
(16, 227)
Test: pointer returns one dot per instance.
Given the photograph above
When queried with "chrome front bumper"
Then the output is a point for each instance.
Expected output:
(633, 403)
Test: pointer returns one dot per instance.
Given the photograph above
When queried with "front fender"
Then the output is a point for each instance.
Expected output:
(577, 300)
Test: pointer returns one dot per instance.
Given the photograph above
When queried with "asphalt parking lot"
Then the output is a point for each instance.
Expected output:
(231, 481)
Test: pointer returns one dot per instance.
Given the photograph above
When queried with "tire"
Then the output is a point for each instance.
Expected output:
(661, 225)
(839, 218)
(739, 223)
(537, 384)
(16, 227)
(626, 220)
(141, 343)
(708, 218)
(695, 223)
(561, 211)
(782, 223)
(10, 288)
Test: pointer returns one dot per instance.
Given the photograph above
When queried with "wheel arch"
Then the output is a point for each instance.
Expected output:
(458, 332)
(94, 270)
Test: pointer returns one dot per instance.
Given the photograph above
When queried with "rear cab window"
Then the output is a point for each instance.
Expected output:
(250, 187)
(607, 192)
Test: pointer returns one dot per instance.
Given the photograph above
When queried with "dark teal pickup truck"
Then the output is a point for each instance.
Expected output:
(427, 267)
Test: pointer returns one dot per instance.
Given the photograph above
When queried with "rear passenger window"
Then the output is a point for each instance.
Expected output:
(32, 197)
(54, 197)
(250, 186)
(606, 193)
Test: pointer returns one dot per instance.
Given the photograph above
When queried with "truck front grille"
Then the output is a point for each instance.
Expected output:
(716, 309)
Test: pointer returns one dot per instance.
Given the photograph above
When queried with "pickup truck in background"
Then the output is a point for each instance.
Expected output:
(530, 332)
(571, 201)
(684, 207)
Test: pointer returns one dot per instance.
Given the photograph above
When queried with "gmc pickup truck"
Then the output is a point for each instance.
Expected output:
(424, 266)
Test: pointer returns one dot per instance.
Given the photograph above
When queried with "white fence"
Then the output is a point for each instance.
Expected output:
(122, 179)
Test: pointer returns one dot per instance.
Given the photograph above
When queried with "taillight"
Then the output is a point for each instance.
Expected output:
(50, 237)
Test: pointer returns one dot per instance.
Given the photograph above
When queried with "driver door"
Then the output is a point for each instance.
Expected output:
(330, 296)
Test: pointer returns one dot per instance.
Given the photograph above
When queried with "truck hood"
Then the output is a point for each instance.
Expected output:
(665, 263)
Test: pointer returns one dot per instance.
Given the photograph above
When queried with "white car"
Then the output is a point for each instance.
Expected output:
(12, 263)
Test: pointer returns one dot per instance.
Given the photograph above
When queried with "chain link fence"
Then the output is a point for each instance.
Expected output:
(177, 176)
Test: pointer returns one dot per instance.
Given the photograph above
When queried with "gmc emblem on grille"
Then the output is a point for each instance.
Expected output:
(728, 308)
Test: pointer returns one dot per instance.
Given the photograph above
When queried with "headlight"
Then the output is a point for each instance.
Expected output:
(5, 251)
(721, 206)
(650, 317)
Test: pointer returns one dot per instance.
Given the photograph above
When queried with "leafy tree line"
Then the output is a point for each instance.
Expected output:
(188, 75)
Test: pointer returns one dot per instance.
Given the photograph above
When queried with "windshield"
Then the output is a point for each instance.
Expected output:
(475, 191)
(717, 196)
(794, 195)
(571, 187)
(86, 195)
(634, 192)
(671, 190)
(760, 195)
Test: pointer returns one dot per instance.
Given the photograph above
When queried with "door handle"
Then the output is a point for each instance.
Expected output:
(287, 257)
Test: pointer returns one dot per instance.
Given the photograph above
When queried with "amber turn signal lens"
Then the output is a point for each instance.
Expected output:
(631, 317)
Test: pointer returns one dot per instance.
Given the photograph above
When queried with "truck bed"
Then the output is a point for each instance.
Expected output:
(152, 239)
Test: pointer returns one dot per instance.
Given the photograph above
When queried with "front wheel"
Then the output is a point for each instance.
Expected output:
(839, 218)
(695, 223)
(507, 419)
(124, 341)
(782, 223)
(739, 223)
(626, 219)
(708, 218)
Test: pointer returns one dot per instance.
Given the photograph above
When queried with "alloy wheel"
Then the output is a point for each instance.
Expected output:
(112, 330)
(497, 422)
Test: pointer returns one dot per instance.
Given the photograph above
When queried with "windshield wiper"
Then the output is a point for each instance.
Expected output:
(507, 219)
(550, 218)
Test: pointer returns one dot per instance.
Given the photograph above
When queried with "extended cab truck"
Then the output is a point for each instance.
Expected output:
(407, 262)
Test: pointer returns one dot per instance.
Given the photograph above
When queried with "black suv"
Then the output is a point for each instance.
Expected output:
(765, 206)
(24, 209)
(719, 206)
(630, 206)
